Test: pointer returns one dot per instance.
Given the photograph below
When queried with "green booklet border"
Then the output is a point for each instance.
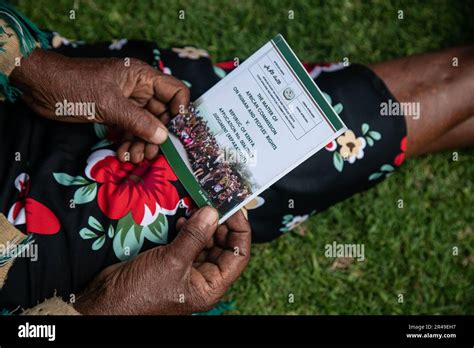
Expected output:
(301, 73)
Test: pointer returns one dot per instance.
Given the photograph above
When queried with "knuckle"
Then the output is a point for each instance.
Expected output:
(195, 234)
(184, 89)
(176, 83)
(140, 68)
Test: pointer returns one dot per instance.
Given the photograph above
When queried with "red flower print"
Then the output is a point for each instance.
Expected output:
(188, 203)
(400, 158)
(226, 65)
(315, 69)
(37, 217)
(331, 146)
(143, 189)
(403, 144)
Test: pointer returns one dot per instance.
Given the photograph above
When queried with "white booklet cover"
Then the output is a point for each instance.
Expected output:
(250, 129)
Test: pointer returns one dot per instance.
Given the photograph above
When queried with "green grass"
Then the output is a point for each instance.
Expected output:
(409, 250)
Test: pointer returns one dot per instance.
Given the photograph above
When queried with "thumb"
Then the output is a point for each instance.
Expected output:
(195, 234)
(138, 121)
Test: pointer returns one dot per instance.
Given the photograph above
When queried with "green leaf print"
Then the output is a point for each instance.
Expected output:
(338, 161)
(375, 176)
(128, 238)
(219, 71)
(68, 180)
(85, 233)
(157, 232)
(328, 98)
(100, 130)
(85, 194)
(102, 143)
(387, 168)
(93, 222)
(111, 231)
(338, 108)
(99, 243)
(375, 135)
(365, 128)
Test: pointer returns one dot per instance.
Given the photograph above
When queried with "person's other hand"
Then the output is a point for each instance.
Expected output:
(189, 275)
(135, 97)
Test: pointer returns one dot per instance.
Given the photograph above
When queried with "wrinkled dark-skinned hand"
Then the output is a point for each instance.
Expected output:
(189, 275)
(134, 97)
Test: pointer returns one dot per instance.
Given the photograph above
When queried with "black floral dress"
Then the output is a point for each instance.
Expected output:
(63, 185)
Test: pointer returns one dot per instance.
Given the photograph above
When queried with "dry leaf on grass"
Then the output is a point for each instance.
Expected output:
(342, 263)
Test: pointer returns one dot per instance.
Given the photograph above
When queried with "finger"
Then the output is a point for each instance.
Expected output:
(203, 255)
(211, 273)
(195, 233)
(123, 152)
(201, 258)
(214, 254)
(139, 121)
(156, 107)
(220, 237)
(173, 92)
(210, 243)
(165, 117)
(137, 151)
(236, 252)
(180, 223)
(151, 151)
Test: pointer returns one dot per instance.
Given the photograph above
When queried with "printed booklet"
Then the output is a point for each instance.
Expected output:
(250, 129)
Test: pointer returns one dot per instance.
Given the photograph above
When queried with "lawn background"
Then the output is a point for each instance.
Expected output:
(408, 251)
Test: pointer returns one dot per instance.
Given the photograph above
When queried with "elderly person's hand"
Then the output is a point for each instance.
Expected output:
(127, 93)
(189, 275)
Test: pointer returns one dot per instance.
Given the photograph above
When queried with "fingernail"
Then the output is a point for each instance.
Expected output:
(160, 136)
(207, 215)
